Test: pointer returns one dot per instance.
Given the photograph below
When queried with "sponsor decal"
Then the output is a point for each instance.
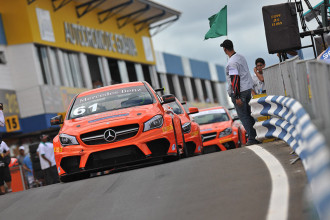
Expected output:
(173, 147)
(199, 148)
(59, 170)
(167, 128)
(58, 149)
(225, 140)
(214, 111)
(209, 129)
(195, 133)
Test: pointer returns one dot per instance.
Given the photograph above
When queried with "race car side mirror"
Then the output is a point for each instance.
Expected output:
(193, 110)
(168, 98)
(160, 90)
(57, 120)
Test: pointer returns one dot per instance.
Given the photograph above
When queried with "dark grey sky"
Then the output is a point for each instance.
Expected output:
(245, 28)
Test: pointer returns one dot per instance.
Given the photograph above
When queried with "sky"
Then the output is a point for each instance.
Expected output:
(185, 37)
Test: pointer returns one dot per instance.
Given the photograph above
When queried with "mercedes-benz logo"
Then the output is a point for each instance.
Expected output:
(109, 135)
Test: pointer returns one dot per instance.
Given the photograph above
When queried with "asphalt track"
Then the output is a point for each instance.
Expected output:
(232, 184)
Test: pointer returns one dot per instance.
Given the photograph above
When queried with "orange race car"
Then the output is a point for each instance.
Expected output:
(218, 130)
(192, 137)
(114, 127)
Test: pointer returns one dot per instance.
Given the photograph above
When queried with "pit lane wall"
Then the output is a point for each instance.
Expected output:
(298, 103)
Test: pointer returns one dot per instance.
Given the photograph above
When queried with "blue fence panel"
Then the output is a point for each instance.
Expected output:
(173, 64)
(200, 69)
(221, 73)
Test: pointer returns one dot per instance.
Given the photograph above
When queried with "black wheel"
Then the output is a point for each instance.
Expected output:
(184, 147)
(74, 177)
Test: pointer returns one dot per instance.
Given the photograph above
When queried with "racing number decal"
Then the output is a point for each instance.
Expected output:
(12, 123)
(82, 109)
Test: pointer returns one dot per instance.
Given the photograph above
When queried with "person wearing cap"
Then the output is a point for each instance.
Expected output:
(47, 160)
(25, 161)
(240, 83)
(2, 119)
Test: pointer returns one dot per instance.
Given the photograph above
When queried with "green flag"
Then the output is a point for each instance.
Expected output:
(218, 24)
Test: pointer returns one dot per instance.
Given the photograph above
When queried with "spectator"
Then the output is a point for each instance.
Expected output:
(293, 53)
(4, 171)
(28, 171)
(2, 119)
(258, 78)
(97, 84)
(47, 160)
(21, 155)
(25, 162)
(240, 84)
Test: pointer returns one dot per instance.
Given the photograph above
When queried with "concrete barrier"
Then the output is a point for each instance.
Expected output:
(291, 123)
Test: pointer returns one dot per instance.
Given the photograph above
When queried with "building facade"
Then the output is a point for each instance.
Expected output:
(52, 50)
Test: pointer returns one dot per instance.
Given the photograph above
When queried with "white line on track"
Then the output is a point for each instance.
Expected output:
(279, 198)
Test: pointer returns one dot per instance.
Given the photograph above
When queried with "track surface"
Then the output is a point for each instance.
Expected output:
(232, 184)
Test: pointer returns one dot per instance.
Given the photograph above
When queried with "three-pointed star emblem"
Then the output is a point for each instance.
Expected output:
(110, 135)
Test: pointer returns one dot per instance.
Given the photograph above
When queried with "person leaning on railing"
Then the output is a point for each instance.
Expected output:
(258, 78)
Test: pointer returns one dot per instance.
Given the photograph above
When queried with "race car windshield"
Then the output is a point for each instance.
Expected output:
(211, 116)
(110, 100)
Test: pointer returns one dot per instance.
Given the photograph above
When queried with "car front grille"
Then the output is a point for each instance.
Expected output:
(209, 136)
(122, 132)
(114, 157)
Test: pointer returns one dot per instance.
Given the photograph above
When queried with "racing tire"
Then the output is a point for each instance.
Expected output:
(184, 147)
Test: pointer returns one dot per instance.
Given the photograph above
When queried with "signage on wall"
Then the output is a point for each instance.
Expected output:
(12, 123)
(147, 49)
(98, 39)
(45, 25)
(10, 104)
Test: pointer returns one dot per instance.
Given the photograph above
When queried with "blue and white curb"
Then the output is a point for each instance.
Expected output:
(291, 123)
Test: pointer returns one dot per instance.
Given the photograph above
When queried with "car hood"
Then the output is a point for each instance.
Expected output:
(214, 127)
(125, 116)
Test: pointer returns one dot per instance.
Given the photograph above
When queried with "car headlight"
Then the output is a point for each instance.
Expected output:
(154, 122)
(67, 140)
(225, 132)
(186, 127)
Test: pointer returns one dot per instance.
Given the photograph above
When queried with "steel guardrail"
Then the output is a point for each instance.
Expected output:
(291, 123)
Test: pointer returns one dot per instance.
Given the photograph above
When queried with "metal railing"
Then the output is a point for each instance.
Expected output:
(298, 102)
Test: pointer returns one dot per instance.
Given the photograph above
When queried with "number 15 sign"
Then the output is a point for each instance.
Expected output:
(12, 123)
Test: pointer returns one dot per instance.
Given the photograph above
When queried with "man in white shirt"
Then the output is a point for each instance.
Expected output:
(47, 160)
(240, 84)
